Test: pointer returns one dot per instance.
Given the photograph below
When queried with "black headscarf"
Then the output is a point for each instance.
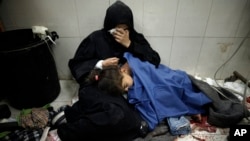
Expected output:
(118, 13)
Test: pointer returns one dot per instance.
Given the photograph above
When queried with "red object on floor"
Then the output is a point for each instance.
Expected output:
(248, 99)
(202, 125)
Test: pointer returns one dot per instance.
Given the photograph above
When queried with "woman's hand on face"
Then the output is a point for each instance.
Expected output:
(122, 36)
(110, 61)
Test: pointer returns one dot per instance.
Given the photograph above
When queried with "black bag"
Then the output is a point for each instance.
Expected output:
(28, 72)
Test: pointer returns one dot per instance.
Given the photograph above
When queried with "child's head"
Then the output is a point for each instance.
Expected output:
(111, 80)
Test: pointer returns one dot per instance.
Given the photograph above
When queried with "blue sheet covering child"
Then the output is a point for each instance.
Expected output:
(158, 93)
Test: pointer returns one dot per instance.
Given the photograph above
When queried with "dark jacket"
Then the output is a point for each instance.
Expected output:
(226, 109)
(101, 45)
(100, 116)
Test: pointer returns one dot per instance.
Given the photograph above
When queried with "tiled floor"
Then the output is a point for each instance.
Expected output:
(69, 89)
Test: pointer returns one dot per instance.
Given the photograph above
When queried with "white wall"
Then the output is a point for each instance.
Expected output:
(196, 36)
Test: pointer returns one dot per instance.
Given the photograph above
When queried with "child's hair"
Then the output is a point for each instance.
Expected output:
(108, 79)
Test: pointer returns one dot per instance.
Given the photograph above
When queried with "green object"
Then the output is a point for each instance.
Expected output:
(3, 134)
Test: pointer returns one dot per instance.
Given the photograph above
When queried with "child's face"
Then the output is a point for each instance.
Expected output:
(127, 81)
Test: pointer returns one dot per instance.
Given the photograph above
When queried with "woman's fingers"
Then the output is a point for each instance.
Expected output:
(110, 61)
(121, 35)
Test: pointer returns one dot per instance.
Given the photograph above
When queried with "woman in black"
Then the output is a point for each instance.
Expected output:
(102, 48)
(97, 114)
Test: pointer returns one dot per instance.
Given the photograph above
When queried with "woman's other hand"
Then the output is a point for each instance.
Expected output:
(110, 61)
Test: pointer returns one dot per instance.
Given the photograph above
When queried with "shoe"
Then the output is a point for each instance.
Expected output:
(143, 129)
(62, 108)
(59, 119)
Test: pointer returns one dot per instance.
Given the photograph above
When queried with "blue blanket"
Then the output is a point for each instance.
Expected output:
(161, 92)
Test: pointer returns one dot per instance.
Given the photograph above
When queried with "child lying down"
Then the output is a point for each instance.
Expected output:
(162, 94)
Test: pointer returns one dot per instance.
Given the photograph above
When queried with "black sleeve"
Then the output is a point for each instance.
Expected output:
(84, 59)
(141, 48)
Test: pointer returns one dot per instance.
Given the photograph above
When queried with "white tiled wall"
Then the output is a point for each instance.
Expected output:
(196, 36)
(192, 17)
(188, 58)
